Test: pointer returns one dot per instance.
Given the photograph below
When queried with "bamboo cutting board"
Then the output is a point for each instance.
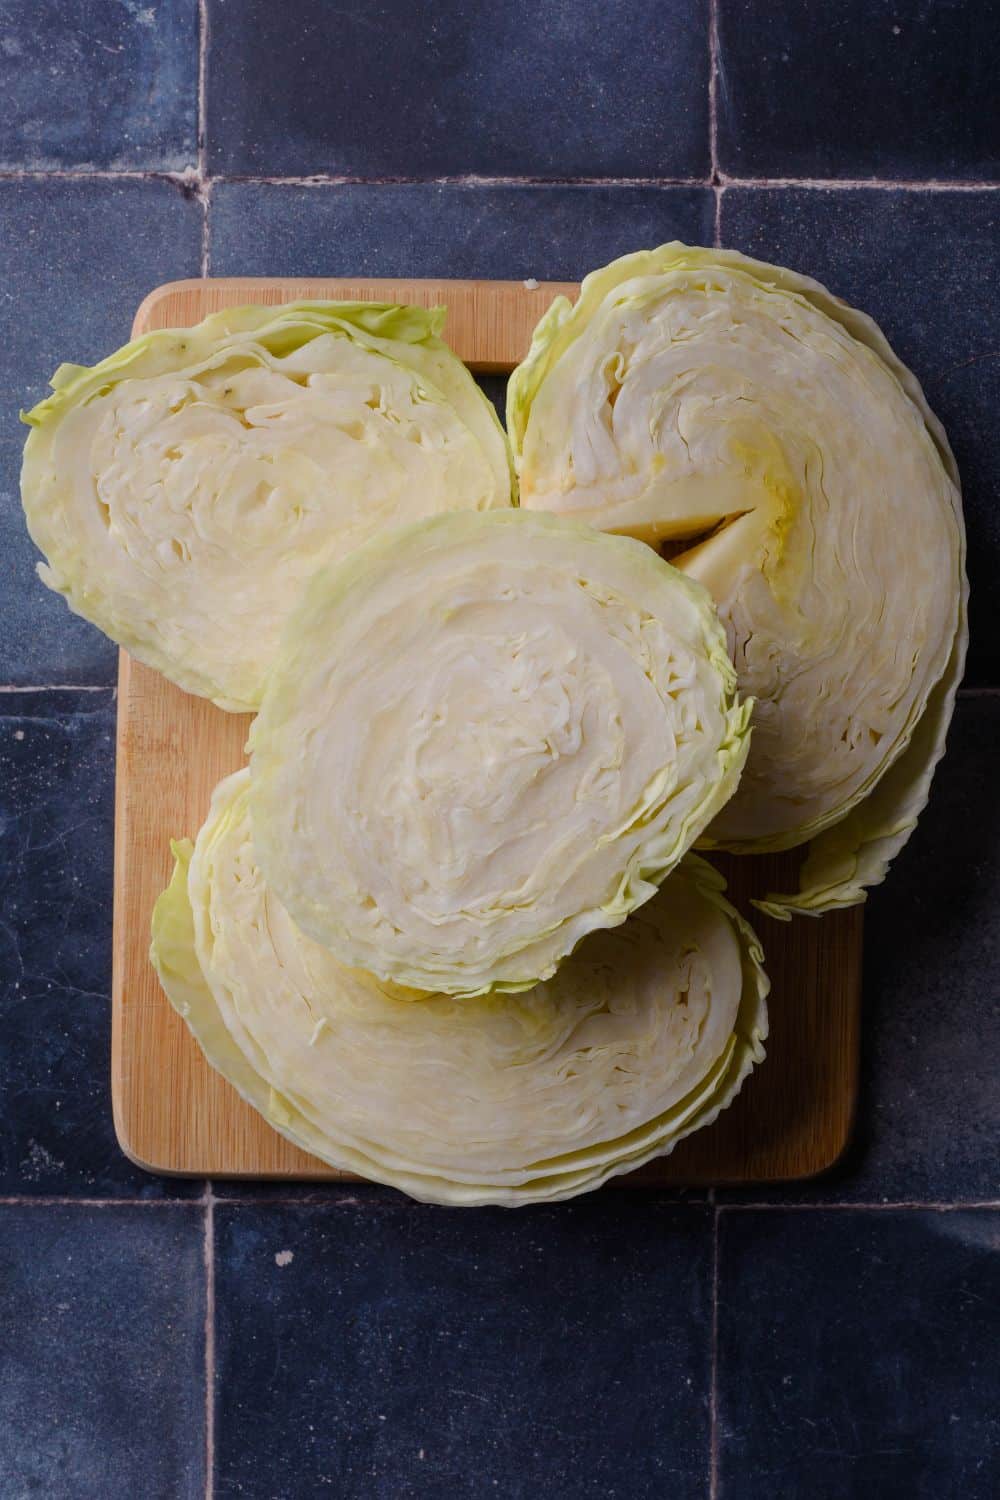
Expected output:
(173, 1114)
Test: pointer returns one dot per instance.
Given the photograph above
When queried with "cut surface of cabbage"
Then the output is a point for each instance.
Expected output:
(765, 434)
(484, 737)
(643, 1035)
(185, 488)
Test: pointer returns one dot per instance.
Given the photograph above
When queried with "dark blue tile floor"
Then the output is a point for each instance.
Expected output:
(862, 88)
(857, 1354)
(421, 1352)
(394, 88)
(810, 1342)
(56, 815)
(91, 84)
(102, 1340)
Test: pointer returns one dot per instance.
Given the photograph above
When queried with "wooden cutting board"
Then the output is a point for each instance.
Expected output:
(173, 1114)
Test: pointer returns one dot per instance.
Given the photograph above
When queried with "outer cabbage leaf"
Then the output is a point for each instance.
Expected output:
(855, 853)
(184, 489)
(764, 433)
(484, 737)
(643, 1036)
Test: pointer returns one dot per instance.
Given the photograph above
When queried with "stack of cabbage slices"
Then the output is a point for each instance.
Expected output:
(446, 930)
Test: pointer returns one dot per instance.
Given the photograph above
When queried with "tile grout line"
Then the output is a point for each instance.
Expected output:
(202, 75)
(852, 184)
(460, 179)
(317, 1199)
(352, 1192)
(713, 116)
(204, 185)
(206, 230)
(713, 1394)
(99, 174)
(713, 89)
(58, 687)
(888, 1206)
(201, 181)
(209, 1253)
(717, 179)
(325, 1197)
(25, 1200)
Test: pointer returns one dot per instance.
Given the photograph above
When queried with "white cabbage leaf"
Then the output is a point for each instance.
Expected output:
(184, 489)
(764, 434)
(484, 737)
(642, 1036)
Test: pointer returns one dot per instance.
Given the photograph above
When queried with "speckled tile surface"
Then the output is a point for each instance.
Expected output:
(572, 88)
(862, 88)
(424, 1351)
(99, 84)
(102, 1313)
(56, 815)
(856, 1354)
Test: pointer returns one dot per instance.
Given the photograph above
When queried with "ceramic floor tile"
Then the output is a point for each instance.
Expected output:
(93, 84)
(373, 1347)
(56, 836)
(102, 1313)
(429, 89)
(857, 1354)
(862, 88)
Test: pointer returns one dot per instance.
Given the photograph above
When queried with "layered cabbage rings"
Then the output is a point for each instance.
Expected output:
(484, 737)
(185, 489)
(764, 434)
(642, 1036)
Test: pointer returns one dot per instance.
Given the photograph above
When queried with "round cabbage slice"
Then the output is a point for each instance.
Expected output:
(185, 488)
(764, 434)
(484, 737)
(644, 1035)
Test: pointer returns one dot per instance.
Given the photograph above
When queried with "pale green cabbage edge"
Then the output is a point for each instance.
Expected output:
(845, 859)
(405, 335)
(175, 957)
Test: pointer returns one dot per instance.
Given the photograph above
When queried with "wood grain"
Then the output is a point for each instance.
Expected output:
(173, 1114)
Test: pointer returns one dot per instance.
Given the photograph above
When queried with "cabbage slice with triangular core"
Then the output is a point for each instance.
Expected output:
(765, 436)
